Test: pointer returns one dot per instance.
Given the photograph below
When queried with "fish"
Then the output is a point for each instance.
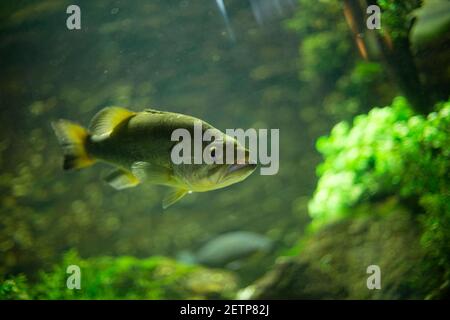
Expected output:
(227, 249)
(139, 145)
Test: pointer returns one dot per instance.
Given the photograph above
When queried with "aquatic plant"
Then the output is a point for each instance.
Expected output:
(14, 288)
(124, 278)
(390, 151)
(387, 151)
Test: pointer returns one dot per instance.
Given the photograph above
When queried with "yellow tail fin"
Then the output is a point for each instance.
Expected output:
(72, 138)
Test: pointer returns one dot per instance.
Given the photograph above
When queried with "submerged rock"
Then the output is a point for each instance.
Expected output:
(332, 263)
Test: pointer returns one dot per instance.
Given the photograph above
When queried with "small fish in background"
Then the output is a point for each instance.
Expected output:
(139, 145)
(228, 249)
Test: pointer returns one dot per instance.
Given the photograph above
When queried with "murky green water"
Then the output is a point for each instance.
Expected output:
(174, 56)
(295, 68)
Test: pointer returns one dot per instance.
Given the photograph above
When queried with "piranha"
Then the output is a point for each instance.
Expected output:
(139, 146)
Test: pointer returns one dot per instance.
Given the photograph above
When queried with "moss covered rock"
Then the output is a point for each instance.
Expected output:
(333, 261)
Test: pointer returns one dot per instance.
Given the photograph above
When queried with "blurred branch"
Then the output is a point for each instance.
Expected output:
(394, 54)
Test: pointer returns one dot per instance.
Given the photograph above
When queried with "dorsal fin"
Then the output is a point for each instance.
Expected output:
(150, 110)
(107, 119)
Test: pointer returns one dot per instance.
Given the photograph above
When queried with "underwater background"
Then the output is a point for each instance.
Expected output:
(364, 120)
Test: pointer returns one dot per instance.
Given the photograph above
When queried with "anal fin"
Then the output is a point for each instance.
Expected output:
(173, 196)
(121, 179)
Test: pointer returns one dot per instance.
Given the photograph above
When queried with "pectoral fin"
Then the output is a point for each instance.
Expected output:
(145, 171)
(121, 179)
(173, 196)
